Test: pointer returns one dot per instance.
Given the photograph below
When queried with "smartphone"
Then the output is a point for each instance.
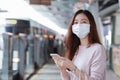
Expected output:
(54, 55)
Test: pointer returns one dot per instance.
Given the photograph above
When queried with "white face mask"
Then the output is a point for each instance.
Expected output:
(81, 30)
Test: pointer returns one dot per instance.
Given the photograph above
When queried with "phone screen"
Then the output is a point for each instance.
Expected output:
(54, 55)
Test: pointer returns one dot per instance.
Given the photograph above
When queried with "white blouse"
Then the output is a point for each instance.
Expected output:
(91, 60)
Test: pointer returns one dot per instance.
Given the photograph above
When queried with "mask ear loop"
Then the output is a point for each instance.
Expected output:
(74, 76)
(79, 76)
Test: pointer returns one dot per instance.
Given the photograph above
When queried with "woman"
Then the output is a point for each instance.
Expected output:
(85, 55)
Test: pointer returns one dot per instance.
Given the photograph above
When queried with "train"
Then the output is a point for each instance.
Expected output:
(27, 48)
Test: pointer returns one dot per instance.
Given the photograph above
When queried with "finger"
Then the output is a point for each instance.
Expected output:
(61, 63)
(62, 58)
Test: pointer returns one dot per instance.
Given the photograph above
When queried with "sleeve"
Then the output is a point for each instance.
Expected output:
(98, 65)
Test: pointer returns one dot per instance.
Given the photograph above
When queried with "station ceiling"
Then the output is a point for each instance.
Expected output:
(61, 11)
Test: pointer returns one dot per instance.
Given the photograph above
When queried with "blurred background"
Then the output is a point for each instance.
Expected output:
(32, 29)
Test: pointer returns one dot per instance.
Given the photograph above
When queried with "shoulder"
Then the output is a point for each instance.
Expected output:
(99, 50)
(97, 46)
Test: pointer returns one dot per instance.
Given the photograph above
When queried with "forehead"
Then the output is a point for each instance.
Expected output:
(81, 17)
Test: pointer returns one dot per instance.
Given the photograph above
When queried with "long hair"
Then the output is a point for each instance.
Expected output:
(72, 41)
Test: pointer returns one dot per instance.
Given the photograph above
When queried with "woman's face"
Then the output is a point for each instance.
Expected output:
(81, 18)
(81, 26)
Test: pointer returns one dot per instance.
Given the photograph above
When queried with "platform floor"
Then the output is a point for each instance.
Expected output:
(51, 72)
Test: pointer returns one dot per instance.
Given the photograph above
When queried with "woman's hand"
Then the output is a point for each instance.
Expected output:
(68, 64)
(58, 61)
(63, 63)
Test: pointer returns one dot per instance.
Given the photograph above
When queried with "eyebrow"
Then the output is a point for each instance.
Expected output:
(82, 20)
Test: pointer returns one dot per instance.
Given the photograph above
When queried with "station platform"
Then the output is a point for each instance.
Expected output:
(50, 72)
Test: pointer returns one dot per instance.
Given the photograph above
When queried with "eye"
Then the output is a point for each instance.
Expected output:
(75, 22)
(83, 22)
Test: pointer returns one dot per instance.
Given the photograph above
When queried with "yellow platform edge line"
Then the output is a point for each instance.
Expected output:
(39, 71)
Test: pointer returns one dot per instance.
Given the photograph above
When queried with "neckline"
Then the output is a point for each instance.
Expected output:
(85, 46)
